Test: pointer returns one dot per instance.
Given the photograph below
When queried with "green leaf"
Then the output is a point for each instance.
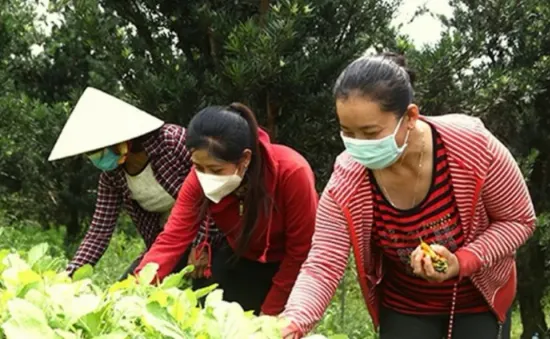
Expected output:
(176, 279)
(81, 306)
(36, 253)
(3, 254)
(202, 292)
(27, 321)
(85, 271)
(91, 322)
(28, 280)
(213, 297)
(62, 334)
(130, 306)
(148, 273)
(124, 285)
(160, 319)
(114, 335)
(159, 296)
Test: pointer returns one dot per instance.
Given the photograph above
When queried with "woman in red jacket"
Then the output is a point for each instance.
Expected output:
(403, 179)
(261, 196)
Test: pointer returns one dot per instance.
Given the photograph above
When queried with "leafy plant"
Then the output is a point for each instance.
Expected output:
(39, 300)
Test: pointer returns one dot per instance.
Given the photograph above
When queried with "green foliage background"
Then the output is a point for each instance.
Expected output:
(279, 56)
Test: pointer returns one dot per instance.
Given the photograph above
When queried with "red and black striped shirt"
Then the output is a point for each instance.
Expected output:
(397, 232)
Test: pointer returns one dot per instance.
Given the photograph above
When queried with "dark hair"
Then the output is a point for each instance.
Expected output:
(401, 61)
(384, 78)
(138, 144)
(226, 132)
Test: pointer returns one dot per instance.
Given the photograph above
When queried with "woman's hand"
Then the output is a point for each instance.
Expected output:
(291, 331)
(423, 267)
(200, 263)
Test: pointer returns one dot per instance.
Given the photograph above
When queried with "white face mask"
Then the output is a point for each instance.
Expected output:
(217, 187)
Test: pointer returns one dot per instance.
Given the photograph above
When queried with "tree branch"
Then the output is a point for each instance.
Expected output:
(264, 8)
(133, 14)
(345, 28)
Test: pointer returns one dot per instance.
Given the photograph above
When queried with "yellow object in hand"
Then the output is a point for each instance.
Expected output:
(440, 264)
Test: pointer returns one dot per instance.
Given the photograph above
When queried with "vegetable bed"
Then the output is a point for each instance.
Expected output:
(39, 301)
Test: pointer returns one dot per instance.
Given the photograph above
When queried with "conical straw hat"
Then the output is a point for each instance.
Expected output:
(100, 120)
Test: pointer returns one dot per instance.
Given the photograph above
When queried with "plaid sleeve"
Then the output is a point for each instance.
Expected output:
(174, 139)
(214, 234)
(101, 229)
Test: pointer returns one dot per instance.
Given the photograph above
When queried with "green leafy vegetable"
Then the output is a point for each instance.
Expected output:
(83, 272)
(38, 302)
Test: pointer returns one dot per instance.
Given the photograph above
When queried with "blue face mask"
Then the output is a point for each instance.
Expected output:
(376, 154)
(106, 160)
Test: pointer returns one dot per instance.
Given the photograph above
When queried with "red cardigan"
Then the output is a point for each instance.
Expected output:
(282, 236)
(494, 205)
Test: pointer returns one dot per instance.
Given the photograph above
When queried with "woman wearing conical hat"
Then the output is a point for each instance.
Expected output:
(144, 163)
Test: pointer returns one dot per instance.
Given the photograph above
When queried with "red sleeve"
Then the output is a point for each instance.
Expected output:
(511, 214)
(179, 231)
(300, 209)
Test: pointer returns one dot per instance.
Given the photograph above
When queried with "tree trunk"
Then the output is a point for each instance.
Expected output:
(531, 287)
(73, 227)
(264, 7)
(73, 203)
(531, 259)
(272, 110)
(212, 46)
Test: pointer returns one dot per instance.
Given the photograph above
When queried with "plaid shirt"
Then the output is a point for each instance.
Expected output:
(171, 163)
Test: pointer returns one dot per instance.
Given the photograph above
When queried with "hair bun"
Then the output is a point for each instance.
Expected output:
(401, 60)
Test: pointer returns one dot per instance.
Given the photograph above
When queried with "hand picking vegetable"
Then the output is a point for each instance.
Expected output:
(440, 264)
(404, 175)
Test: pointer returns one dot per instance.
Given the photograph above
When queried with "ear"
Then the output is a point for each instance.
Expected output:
(244, 162)
(246, 158)
(412, 113)
(122, 148)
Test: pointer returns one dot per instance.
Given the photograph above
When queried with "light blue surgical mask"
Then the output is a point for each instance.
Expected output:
(106, 160)
(376, 154)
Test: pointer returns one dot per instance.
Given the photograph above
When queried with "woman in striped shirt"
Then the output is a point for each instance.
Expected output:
(405, 179)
